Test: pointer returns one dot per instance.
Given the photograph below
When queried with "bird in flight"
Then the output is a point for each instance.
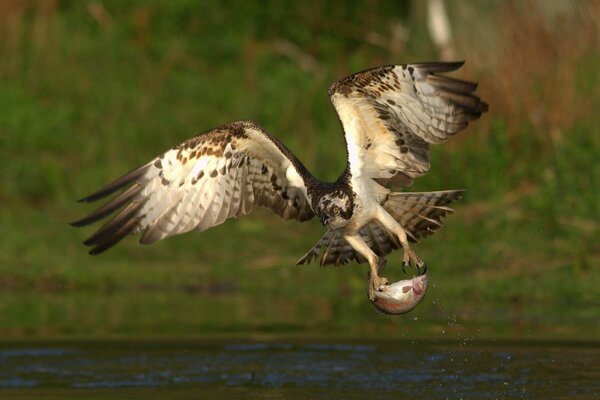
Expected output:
(390, 115)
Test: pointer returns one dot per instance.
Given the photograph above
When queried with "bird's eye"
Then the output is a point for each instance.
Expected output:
(335, 209)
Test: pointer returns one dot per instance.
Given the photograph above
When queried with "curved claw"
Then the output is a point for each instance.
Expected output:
(404, 265)
(421, 269)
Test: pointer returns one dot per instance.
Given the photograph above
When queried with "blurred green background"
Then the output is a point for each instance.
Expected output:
(91, 89)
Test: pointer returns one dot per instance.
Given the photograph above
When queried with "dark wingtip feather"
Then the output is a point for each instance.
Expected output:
(115, 238)
(77, 224)
(456, 90)
(483, 107)
(116, 185)
(470, 105)
(441, 66)
(467, 101)
(109, 207)
(112, 227)
(451, 84)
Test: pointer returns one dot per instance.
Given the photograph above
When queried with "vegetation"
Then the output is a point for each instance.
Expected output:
(89, 90)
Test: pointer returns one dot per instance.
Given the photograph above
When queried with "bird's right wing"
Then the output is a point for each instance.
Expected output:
(220, 174)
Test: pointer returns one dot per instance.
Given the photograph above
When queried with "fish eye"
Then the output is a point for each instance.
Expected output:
(335, 209)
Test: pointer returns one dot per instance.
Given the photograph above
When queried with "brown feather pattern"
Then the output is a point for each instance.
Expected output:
(390, 116)
(401, 110)
(209, 178)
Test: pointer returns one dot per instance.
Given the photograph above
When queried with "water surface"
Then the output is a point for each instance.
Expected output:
(282, 369)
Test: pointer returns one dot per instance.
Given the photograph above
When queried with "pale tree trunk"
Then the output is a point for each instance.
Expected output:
(439, 29)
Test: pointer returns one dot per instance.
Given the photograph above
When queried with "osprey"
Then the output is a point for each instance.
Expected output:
(390, 115)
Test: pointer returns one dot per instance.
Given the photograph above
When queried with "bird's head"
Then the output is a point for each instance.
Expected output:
(335, 209)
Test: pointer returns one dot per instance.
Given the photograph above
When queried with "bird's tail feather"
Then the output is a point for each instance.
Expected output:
(420, 213)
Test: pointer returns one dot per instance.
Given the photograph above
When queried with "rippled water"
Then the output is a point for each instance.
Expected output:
(272, 370)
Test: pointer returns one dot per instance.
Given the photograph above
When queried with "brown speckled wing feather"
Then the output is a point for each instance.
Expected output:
(207, 179)
(392, 113)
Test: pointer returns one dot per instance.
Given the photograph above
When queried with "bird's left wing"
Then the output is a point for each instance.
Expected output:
(391, 114)
(216, 175)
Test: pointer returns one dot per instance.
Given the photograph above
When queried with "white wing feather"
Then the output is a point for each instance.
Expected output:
(391, 114)
(201, 183)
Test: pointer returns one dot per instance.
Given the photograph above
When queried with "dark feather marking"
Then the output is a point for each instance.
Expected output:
(115, 238)
(451, 84)
(472, 103)
(441, 66)
(114, 225)
(211, 143)
(118, 184)
(274, 184)
(109, 207)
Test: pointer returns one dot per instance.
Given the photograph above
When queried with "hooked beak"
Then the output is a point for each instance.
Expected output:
(324, 219)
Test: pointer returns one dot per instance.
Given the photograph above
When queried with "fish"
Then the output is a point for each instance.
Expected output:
(402, 296)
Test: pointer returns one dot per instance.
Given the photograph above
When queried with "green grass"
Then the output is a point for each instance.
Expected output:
(90, 100)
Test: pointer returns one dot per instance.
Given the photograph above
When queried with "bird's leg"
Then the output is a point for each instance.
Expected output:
(409, 258)
(375, 263)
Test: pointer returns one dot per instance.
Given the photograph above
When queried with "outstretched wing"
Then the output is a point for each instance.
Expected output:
(392, 113)
(202, 182)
